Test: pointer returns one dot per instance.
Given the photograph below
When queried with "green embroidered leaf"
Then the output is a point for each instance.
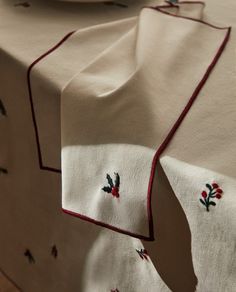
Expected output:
(110, 181)
(202, 202)
(106, 189)
(212, 203)
(209, 187)
(117, 180)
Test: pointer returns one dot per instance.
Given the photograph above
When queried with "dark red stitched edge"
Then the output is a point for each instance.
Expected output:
(10, 280)
(32, 104)
(159, 8)
(167, 139)
(99, 223)
(164, 144)
(177, 124)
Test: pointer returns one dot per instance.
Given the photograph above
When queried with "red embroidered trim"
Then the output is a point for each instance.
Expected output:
(168, 138)
(41, 166)
(165, 142)
(111, 227)
(10, 280)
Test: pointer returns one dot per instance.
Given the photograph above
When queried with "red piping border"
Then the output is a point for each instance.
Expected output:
(167, 139)
(102, 224)
(180, 119)
(41, 166)
(164, 143)
(11, 281)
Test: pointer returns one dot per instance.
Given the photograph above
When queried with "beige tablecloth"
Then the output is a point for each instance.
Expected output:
(147, 103)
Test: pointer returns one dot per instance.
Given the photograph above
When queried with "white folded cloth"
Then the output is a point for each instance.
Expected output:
(121, 111)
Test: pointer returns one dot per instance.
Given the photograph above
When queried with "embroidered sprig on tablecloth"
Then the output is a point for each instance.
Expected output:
(213, 192)
(142, 253)
(113, 187)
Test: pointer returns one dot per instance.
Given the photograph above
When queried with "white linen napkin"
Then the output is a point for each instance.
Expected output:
(120, 112)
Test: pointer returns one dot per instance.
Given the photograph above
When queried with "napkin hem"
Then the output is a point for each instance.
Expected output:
(164, 144)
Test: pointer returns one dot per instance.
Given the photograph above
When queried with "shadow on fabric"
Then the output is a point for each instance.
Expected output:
(171, 251)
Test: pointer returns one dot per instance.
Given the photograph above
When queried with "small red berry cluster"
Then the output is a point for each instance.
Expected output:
(113, 187)
(214, 191)
(142, 253)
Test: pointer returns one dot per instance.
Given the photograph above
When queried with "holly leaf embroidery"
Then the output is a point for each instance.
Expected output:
(107, 189)
(212, 203)
(117, 180)
(110, 181)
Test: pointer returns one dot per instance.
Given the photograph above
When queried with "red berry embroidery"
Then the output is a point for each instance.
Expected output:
(215, 185)
(113, 187)
(114, 290)
(208, 197)
(115, 192)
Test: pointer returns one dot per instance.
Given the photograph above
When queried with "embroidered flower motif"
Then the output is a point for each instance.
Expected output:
(113, 188)
(114, 290)
(142, 253)
(214, 191)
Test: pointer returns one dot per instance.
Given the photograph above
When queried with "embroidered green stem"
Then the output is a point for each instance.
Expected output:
(208, 198)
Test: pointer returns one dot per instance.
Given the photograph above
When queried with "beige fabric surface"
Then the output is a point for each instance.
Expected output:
(118, 111)
(90, 258)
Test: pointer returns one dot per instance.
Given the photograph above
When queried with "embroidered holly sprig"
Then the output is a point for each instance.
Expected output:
(214, 192)
(29, 255)
(113, 187)
(142, 253)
